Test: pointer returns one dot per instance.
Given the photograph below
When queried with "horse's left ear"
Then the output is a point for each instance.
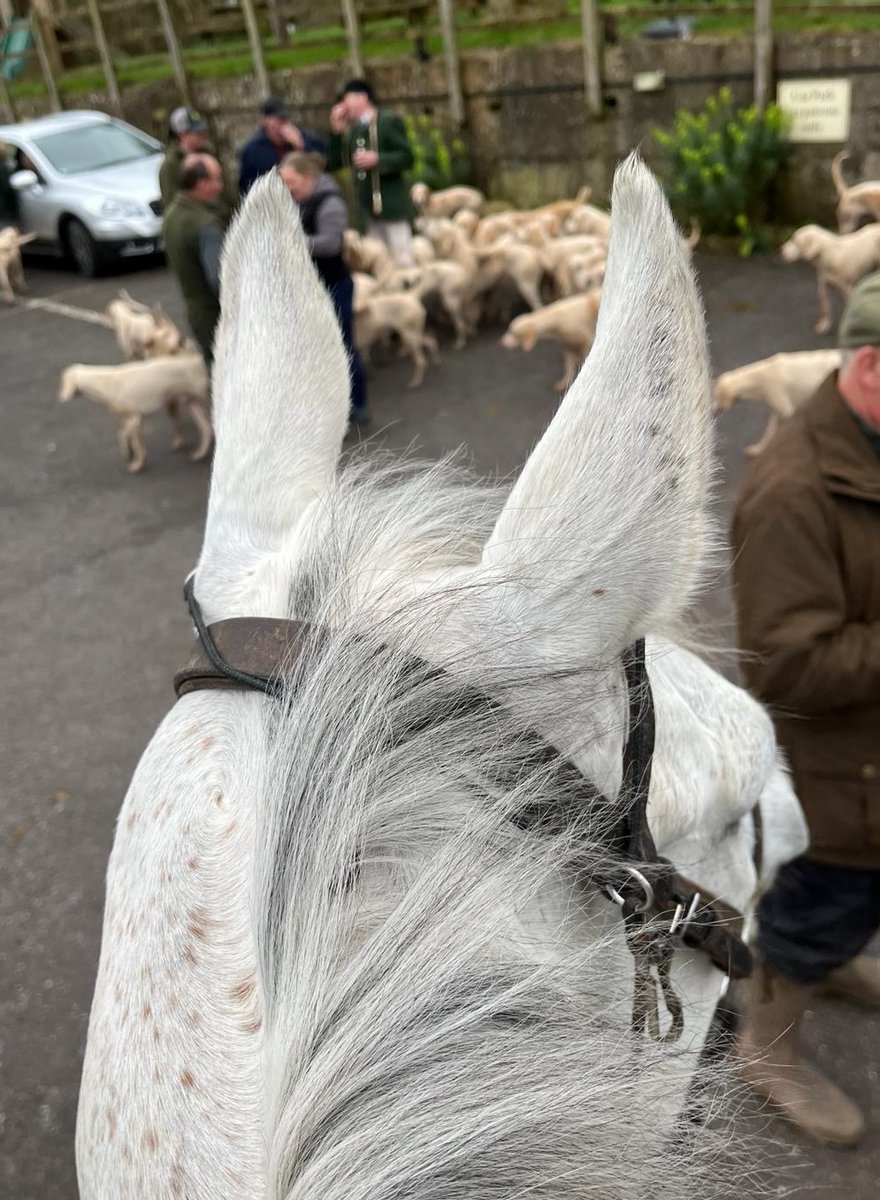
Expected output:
(280, 398)
(603, 533)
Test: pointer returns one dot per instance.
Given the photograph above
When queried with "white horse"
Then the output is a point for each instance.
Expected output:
(334, 963)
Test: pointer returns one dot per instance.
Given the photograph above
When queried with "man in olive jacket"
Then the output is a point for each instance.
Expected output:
(187, 134)
(193, 230)
(373, 142)
(806, 537)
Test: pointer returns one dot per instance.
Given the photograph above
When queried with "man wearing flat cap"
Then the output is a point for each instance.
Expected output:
(806, 540)
(277, 136)
(374, 143)
(187, 134)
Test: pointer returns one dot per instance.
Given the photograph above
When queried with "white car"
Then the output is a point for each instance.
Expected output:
(88, 187)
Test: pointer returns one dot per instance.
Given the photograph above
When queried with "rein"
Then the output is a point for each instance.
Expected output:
(662, 910)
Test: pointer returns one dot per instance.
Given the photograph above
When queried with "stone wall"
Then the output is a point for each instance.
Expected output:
(529, 137)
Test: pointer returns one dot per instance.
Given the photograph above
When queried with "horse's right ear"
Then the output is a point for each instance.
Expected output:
(602, 535)
(280, 396)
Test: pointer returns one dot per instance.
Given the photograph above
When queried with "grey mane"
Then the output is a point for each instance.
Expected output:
(419, 1045)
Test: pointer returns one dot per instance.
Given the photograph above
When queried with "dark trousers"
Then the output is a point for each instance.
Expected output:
(342, 295)
(816, 917)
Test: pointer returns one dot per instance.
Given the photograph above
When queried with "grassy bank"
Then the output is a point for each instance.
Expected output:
(230, 57)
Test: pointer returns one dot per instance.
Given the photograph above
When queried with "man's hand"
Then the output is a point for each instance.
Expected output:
(365, 160)
(338, 119)
(292, 135)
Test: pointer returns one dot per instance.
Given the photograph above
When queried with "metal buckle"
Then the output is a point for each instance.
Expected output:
(683, 918)
(648, 892)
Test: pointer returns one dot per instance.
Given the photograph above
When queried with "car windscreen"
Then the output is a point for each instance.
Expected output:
(91, 147)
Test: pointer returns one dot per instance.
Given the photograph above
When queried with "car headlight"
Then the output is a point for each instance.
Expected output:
(115, 210)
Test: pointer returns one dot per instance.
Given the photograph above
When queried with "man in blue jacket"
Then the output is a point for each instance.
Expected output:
(276, 137)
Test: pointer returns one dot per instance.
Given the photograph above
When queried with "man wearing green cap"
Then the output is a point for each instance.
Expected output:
(806, 566)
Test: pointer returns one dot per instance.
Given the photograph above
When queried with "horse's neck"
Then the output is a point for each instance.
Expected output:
(176, 1001)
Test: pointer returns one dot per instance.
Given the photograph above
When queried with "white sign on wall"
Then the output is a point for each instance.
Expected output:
(818, 109)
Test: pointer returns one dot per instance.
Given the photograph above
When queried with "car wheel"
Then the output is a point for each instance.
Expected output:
(81, 248)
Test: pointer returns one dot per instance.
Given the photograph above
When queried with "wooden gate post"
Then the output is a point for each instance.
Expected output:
(6, 98)
(39, 27)
(105, 55)
(277, 22)
(44, 16)
(353, 30)
(256, 45)
(174, 51)
(591, 36)
(763, 52)
(450, 58)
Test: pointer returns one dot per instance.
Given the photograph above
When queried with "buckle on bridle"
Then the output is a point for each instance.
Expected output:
(627, 903)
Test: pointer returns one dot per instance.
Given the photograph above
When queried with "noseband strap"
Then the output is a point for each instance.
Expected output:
(661, 909)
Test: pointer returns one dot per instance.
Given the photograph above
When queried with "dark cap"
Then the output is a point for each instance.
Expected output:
(860, 323)
(359, 85)
(186, 120)
(275, 107)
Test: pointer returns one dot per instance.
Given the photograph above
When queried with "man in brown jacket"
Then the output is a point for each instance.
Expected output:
(806, 537)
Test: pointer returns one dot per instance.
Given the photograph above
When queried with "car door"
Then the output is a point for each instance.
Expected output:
(37, 207)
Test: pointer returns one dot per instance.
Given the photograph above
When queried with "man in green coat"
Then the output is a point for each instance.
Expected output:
(187, 134)
(193, 230)
(373, 142)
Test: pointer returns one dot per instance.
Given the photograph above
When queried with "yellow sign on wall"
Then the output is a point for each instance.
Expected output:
(819, 109)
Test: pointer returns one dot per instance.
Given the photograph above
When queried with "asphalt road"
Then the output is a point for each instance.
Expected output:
(91, 568)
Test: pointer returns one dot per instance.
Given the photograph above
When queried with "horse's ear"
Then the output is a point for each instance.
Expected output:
(603, 532)
(280, 395)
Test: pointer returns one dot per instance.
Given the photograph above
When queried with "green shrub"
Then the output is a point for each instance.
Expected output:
(720, 164)
(438, 162)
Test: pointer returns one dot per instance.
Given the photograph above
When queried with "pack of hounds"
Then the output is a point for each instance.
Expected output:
(471, 265)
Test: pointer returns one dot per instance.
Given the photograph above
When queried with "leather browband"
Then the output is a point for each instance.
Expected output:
(259, 646)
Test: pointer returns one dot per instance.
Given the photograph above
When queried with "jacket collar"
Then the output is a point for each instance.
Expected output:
(847, 461)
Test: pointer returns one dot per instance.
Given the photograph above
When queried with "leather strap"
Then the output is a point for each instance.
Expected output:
(258, 646)
(716, 928)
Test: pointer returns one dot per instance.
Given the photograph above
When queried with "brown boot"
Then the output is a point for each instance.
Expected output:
(858, 980)
(772, 1063)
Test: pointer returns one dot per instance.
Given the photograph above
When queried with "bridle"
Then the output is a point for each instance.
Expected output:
(662, 910)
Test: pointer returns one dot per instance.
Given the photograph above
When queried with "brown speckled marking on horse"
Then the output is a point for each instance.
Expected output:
(199, 924)
(176, 1179)
(244, 990)
(190, 957)
(192, 864)
(217, 798)
(150, 1140)
(194, 1019)
(207, 742)
(111, 1124)
(187, 1078)
(231, 827)
(132, 819)
(254, 1025)
(146, 1012)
